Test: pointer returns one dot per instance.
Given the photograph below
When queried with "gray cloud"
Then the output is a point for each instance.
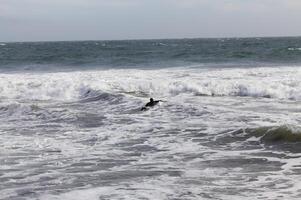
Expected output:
(35, 20)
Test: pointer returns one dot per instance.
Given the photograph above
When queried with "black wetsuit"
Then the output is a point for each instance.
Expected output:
(150, 104)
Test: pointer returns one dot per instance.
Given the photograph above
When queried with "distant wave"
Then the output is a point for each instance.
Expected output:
(53, 56)
(294, 49)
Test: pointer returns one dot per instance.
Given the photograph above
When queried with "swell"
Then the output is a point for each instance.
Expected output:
(266, 134)
(283, 138)
(276, 134)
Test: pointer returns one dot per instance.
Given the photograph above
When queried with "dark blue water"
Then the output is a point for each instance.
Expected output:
(150, 53)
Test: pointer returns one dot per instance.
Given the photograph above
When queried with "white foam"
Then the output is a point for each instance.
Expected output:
(90, 194)
(281, 83)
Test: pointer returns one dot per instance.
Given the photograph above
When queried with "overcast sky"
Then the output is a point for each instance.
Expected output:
(40, 20)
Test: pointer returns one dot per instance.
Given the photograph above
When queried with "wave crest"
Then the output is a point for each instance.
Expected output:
(274, 134)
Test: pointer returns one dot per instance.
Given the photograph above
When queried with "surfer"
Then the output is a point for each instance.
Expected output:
(151, 103)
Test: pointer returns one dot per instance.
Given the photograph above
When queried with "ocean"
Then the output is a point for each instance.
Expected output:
(228, 126)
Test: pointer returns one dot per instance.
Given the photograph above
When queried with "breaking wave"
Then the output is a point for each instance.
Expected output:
(279, 83)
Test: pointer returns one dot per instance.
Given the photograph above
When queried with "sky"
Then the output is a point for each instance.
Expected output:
(57, 20)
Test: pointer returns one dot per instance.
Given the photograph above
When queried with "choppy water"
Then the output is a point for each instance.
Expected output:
(71, 125)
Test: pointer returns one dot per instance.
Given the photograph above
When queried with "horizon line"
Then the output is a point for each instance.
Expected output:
(132, 39)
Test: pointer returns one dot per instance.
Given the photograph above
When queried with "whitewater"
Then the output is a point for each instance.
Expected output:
(279, 83)
(226, 130)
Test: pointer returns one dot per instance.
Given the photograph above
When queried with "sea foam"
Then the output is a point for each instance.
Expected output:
(278, 83)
